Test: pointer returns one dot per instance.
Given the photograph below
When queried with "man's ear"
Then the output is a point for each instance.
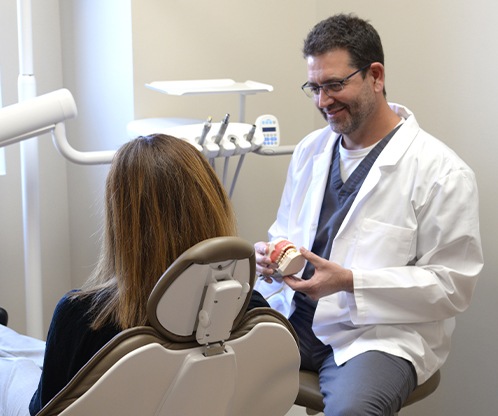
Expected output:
(377, 73)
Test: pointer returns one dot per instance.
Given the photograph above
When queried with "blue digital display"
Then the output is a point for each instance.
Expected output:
(266, 129)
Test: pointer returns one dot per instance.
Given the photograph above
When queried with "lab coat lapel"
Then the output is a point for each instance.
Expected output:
(390, 156)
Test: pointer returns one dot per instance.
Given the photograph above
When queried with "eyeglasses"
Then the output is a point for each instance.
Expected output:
(329, 88)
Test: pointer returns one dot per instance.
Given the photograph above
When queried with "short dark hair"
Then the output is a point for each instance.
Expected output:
(348, 32)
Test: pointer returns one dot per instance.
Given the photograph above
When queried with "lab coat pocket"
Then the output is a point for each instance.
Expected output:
(382, 245)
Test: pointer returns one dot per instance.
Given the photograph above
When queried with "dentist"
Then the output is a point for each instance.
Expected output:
(386, 216)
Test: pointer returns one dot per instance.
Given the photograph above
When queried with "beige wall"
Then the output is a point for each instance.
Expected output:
(175, 40)
(440, 62)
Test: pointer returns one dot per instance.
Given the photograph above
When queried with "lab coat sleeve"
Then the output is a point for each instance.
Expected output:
(439, 282)
(278, 294)
(279, 228)
(303, 191)
(274, 292)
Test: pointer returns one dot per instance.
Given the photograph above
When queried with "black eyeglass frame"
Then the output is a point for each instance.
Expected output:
(314, 90)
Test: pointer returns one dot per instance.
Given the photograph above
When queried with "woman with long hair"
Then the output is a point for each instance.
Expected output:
(162, 197)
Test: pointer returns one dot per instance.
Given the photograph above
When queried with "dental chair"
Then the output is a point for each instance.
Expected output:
(202, 353)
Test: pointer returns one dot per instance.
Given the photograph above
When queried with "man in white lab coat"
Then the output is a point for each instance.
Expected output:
(386, 216)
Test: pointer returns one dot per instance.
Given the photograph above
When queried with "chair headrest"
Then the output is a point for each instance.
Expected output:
(203, 295)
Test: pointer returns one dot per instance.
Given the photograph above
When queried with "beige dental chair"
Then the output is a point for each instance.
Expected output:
(202, 354)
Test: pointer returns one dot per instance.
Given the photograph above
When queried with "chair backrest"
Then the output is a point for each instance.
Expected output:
(202, 353)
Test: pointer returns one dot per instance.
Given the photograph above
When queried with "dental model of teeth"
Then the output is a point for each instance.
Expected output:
(286, 256)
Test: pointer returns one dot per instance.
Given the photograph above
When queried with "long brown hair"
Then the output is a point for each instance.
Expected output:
(162, 197)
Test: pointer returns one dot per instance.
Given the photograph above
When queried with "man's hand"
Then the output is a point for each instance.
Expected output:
(329, 278)
(264, 267)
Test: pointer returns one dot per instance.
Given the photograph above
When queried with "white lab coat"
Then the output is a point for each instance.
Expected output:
(411, 239)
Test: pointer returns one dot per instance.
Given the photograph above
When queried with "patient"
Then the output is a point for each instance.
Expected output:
(162, 197)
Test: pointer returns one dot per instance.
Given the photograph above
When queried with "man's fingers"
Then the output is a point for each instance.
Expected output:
(310, 256)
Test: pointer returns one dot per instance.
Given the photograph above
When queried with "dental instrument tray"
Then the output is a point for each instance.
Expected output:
(209, 86)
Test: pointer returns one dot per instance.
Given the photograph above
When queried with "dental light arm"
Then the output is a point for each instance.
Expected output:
(35, 116)
(46, 114)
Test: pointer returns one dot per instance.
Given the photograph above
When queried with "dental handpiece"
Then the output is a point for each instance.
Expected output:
(223, 128)
(250, 135)
(205, 131)
(249, 138)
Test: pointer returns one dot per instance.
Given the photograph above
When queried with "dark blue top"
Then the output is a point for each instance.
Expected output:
(71, 343)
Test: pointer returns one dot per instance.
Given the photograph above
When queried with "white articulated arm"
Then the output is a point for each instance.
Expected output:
(75, 156)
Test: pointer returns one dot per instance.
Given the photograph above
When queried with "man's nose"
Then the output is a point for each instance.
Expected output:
(323, 100)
